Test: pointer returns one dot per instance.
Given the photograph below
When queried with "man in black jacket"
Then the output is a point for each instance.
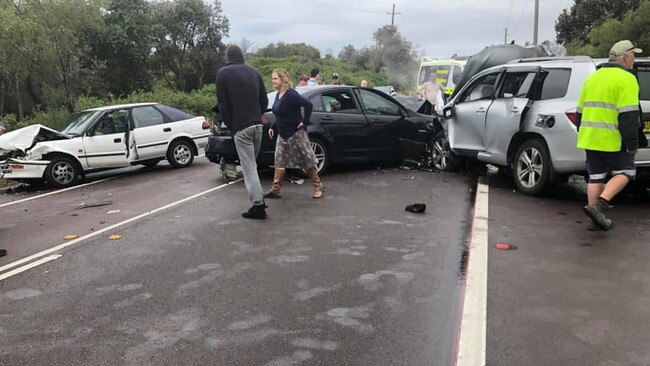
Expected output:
(242, 101)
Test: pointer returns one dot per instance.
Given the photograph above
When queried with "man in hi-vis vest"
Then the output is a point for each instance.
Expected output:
(608, 120)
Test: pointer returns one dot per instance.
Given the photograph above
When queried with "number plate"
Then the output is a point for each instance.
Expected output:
(646, 126)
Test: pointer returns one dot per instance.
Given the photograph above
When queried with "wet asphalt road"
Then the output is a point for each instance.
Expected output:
(351, 279)
(567, 295)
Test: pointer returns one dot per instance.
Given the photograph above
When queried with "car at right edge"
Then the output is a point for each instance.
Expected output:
(521, 117)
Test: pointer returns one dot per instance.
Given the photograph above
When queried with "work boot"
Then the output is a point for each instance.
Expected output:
(274, 192)
(318, 186)
(596, 213)
(255, 212)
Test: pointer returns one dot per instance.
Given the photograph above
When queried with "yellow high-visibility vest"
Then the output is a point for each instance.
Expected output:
(606, 93)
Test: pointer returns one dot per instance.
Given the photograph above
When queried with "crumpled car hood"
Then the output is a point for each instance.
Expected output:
(16, 143)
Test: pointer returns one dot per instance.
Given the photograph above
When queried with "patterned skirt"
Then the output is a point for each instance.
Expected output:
(295, 152)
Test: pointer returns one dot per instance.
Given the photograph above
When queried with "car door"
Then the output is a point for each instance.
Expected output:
(339, 116)
(504, 116)
(105, 142)
(642, 67)
(150, 132)
(466, 126)
(386, 123)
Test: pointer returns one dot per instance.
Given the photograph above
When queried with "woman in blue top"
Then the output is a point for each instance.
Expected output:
(292, 150)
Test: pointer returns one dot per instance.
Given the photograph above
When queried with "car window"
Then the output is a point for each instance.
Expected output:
(643, 73)
(340, 101)
(78, 122)
(173, 113)
(480, 89)
(112, 122)
(555, 83)
(456, 74)
(378, 105)
(317, 103)
(516, 84)
(147, 116)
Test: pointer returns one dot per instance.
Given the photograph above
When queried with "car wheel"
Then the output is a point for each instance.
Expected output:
(180, 154)
(150, 163)
(531, 167)
(440, 154)
(322, 154)
(61, 172)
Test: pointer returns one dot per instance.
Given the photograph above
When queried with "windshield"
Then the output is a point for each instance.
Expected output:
(441, 70)
(78, 122)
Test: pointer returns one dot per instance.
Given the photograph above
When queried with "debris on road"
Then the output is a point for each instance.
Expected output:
(3, 252)
(115, 237)
(70, 236)
(416, 207)
(94, 204)
(113, 211)
(294, 180)
(505, 246)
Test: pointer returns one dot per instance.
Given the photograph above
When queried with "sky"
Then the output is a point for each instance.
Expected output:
(436, 28)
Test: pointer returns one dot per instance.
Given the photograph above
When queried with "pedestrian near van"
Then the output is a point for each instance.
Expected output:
(292, 149)
(242, 100)
(608, 121)
(302, 80)
(336, 79)
(315, 77)
(432, 91)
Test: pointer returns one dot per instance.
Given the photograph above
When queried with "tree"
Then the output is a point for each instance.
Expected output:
(302, 50)
(576, 23)
(635, 26)
(188, 41)
(125, 47)
(394, 53)
(348, 53)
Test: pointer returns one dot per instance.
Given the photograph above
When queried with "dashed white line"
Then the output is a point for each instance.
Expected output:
(473, 328)
(54, 192)
(98, 232)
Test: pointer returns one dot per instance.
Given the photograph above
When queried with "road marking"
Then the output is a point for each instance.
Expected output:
(55, 192)
(473, 328)
(108, 228)
(29, 266)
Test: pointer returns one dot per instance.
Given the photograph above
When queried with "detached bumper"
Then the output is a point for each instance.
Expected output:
(22, 169)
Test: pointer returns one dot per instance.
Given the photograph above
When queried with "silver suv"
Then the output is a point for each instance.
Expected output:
(521, 117)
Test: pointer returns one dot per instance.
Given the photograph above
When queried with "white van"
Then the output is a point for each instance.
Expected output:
(449, 73)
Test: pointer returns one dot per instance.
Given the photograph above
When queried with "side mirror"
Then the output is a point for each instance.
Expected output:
(448, 111)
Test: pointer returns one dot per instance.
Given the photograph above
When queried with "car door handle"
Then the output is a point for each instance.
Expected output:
(327, 118)
(514, 110)
(480, 110)
(117, 140)
(167, 129)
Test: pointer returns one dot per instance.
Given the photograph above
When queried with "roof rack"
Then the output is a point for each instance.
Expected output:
(552, 58)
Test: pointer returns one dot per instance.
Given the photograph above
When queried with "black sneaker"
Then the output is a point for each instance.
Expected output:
(596, 215)
(255, 212)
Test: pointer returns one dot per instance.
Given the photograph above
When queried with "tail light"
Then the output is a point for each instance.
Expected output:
(205, 125)
(265, 120)
(16, 167)
(573, 117)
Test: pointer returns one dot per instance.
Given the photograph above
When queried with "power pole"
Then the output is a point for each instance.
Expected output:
(536, 26)
(392, 20)
(505, 36)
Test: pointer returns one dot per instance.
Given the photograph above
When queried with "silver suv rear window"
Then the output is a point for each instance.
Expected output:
(555, 84)
(643, 73)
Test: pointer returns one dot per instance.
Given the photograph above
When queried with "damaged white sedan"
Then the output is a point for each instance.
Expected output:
(102, 138)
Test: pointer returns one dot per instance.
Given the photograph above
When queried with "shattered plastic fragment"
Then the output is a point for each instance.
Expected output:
(115, 237)
(94, 204)
(70, 236)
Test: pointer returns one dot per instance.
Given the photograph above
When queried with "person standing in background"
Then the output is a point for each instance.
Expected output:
(242, 100)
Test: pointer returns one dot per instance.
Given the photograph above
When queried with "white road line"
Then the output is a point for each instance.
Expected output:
(473, 329)
(109, 228)
(29, 266)
(55, 192)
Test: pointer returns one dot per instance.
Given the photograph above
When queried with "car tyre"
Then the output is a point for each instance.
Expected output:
(322, 154)
(61, 172)
(180, 154)
(532, 167)
(441, 157)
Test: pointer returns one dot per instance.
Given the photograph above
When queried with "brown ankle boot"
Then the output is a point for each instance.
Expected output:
(318, 186)
(274, 192)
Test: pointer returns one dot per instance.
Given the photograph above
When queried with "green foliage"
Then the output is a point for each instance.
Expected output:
(585, 15)
(635, 26)
(281, 50)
